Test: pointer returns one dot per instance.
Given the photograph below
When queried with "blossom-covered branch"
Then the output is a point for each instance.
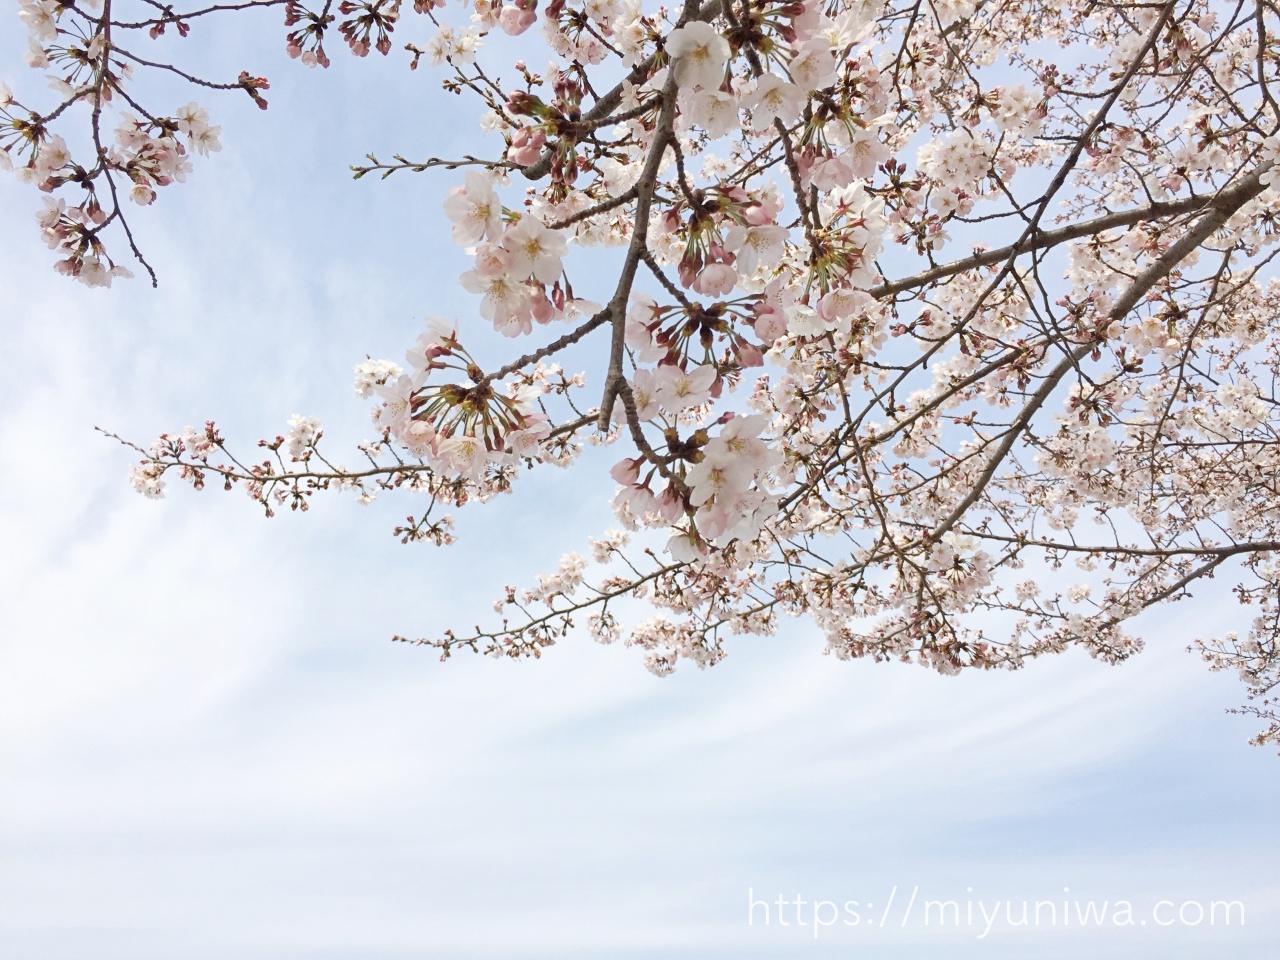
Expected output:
(907, 320)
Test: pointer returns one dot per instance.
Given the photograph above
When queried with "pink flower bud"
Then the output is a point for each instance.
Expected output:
(626, 472)
(670, 505)
(515, 21)
(762, 213)
(526, 146)
(544, 311)
(720, 253)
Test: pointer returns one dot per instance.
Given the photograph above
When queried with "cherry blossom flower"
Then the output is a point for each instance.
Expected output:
(756, 247)
(464, 456)
(40, 18)
(774, 99)
(715, 111)
(535, 250)
(506, 300)
(678, 390)
(475, 211)
(813, 66)
(717, 478)
(645, 384)
(700, 54)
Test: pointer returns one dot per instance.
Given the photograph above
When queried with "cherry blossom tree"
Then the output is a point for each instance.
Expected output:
(951, 325)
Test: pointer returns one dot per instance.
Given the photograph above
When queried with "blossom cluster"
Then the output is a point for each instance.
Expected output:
(90, 71)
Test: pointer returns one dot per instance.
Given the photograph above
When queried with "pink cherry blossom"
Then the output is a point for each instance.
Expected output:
(535, 250)
(475, 211)
(700, 53)
(678, 390)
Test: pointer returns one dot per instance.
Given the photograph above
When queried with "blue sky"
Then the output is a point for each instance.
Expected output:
(209, 748)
